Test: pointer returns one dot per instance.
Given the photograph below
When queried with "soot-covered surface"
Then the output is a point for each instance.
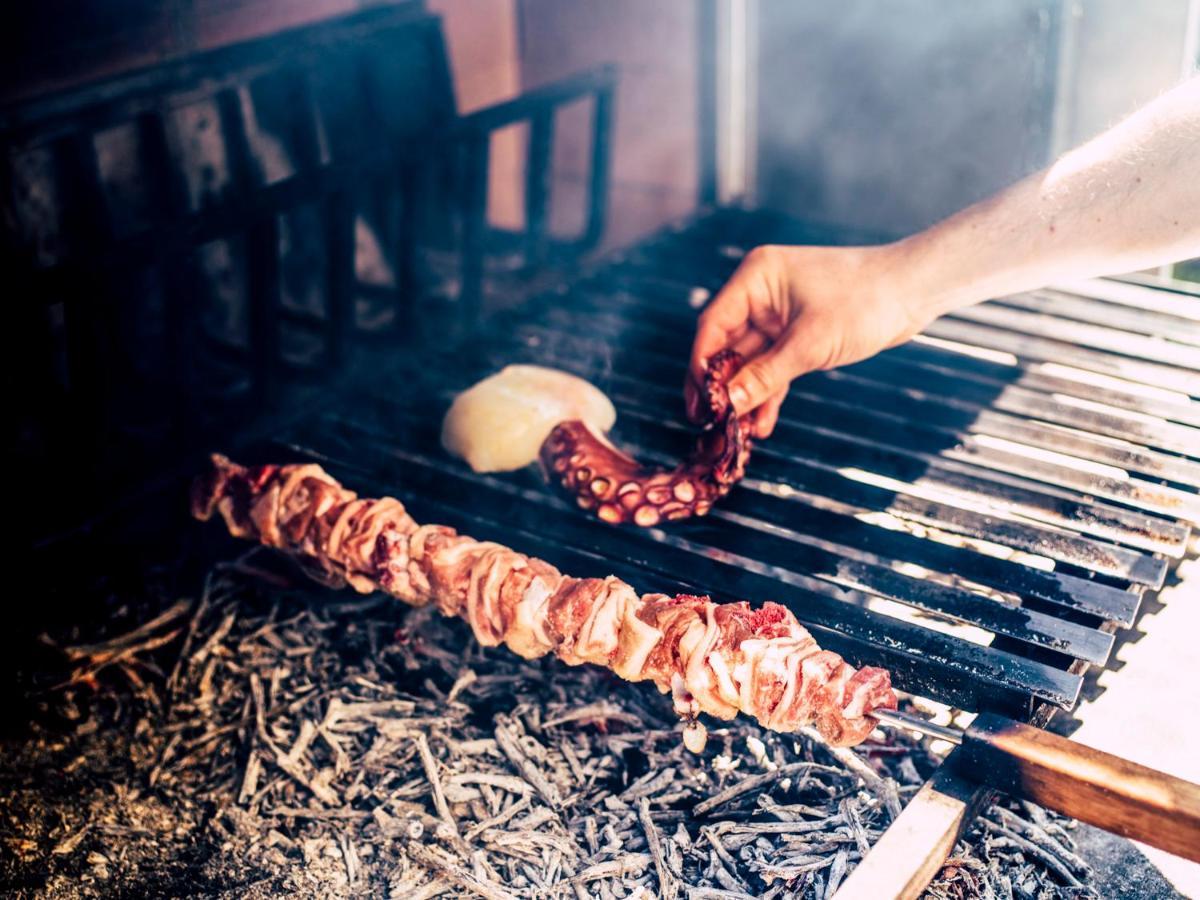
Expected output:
(232, 731)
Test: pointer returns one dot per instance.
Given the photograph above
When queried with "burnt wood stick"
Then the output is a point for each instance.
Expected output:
(1115, 794)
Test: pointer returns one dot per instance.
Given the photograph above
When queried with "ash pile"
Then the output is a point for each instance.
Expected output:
(262, 737)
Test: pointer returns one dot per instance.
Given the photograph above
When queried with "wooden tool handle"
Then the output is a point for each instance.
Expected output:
(1104, 790)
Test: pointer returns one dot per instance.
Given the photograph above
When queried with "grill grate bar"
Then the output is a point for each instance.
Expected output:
(523, 517)
(978, 375)
(970, 510)
(1174, 301)
(1082, 334)
(843, 527)
(1043, 349)
(1091, 311)
(836, 568)
(841, 448)
(645, 336)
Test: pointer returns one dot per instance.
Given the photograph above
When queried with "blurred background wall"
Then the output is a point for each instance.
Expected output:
(877, 114)
(1118, 55)
(890, 116)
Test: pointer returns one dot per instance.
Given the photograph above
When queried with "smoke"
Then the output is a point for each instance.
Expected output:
(889, 116)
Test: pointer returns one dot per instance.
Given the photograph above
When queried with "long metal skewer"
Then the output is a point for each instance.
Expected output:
(897, 719)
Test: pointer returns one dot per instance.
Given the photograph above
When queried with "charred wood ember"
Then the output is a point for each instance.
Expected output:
(294, 743)
(720, 659)
(620, 489)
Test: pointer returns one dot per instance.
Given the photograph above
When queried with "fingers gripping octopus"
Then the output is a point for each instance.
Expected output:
(620, 489)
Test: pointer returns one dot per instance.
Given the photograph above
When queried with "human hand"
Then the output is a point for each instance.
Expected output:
(792, 310)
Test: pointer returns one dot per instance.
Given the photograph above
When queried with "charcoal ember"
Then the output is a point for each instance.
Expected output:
(284, 742)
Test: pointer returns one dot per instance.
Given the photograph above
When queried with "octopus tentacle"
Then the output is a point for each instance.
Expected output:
(620, 489)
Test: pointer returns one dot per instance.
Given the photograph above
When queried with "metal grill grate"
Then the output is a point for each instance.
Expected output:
(975, 511)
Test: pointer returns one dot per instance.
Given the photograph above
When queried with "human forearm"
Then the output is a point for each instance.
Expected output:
(1127, 200)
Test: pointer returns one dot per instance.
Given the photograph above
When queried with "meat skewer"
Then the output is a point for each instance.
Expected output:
(717, 658)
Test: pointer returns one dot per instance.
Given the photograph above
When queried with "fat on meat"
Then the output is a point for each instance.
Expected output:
(716, 658)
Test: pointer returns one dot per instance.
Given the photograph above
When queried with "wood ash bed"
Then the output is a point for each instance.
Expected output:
(260, 737)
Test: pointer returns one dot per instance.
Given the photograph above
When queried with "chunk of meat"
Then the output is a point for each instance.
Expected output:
(720, 659)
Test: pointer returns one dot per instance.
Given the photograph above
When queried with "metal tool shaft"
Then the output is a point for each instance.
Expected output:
(897, 719)
(1079, 781)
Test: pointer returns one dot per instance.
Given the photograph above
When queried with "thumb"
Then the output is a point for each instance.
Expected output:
(765, 375)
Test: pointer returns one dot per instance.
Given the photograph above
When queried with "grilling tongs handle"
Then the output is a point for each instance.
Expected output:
(1123, 797)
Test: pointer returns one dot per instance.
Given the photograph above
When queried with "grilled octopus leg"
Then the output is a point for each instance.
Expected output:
(720, 659)
(620, 489)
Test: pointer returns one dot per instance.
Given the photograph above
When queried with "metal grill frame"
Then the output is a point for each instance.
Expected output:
(1085, 546)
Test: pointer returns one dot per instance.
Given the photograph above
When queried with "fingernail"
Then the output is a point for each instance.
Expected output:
(738, 397)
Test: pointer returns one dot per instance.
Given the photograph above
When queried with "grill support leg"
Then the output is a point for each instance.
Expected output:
(915, 846)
